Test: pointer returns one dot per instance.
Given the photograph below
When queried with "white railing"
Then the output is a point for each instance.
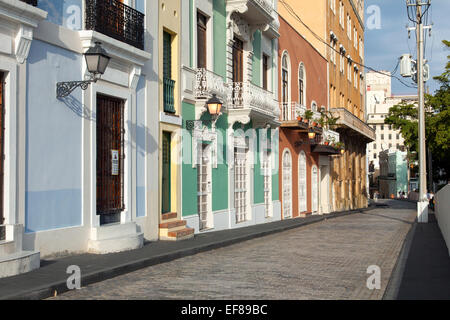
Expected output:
(289, 111)
(442, 211)
(247, 94)
(208, 83)
(330, 135)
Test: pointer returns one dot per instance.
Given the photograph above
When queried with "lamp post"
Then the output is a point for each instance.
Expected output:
(97, 61)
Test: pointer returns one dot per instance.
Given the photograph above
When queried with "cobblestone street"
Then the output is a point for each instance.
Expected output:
(326, 260)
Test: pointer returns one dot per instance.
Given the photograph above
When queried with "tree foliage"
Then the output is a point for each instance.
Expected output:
(404, 117)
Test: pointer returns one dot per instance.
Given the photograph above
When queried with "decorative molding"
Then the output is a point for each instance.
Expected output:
(23, 43)
(135, 74)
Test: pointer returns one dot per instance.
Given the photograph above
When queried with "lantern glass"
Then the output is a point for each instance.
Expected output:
(214, 106)
(311, 134)
(342, 151)
(97, 59)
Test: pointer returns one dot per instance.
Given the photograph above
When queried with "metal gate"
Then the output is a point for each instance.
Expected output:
(240, 184)
(2, 157)
(204, 184)
(110, 155)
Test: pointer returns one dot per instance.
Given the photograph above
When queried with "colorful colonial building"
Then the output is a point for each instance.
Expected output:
(304, 162)
(230, 174)
(345, 32)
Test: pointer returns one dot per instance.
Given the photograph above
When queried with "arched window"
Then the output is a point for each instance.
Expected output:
(302, 84)
(302, 188)
(287, 184)
(285, 77)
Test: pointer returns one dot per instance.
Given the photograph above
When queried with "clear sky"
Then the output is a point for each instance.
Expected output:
(388, 40)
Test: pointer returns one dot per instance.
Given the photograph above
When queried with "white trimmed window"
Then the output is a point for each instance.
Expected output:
(302, 84)
(341, 14)
(349, 27)
(333, 6)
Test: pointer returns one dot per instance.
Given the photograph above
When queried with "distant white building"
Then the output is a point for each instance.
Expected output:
(379, 101)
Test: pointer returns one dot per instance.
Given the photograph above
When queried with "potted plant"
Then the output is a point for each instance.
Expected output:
(308, 115)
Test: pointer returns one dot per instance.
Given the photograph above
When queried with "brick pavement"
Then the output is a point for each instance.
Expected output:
(326, 260)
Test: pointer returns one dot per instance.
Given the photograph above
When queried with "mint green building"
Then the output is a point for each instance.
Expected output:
(229, 163)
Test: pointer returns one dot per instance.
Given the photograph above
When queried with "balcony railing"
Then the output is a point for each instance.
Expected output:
(208, 83)
(169, 98)
(347, 119)
(31, 2)
(291, 110)
(116, 20)
(247, 94)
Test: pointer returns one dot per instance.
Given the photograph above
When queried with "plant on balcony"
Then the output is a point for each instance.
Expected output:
(339, 145)
(308, 115)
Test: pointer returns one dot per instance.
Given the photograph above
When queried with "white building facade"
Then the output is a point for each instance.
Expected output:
(379, 101)
(80, 171)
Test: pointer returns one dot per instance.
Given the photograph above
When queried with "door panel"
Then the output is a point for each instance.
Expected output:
(204, 185)
(287, 185)
(238, 60)
(2, 131)
(166, 174)
(302, 187)
(110, 155)
(315, 189)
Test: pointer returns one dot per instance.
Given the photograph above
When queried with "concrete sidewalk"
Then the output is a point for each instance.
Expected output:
(52, 276)
(426, 270)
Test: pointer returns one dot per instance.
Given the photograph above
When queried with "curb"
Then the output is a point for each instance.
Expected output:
(59, 287)
(395, 280)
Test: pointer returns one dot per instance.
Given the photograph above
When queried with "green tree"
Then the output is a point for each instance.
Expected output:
(404, 117)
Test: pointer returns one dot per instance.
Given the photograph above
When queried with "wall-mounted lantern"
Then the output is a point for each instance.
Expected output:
(97, 61)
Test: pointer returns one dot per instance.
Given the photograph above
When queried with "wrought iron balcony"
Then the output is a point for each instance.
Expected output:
(248, 95)
(168, 94)
(31, 2)
(208, 83)
(116, 20)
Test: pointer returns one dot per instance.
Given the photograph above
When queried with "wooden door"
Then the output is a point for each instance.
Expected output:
(2, 157)
(110, 155)
(166, 174)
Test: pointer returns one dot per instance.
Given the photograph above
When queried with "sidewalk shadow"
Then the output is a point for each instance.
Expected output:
(426, 273)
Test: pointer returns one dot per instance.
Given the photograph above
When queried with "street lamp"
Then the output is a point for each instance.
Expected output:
(214, 106)
(97, 61)
(311, 134)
